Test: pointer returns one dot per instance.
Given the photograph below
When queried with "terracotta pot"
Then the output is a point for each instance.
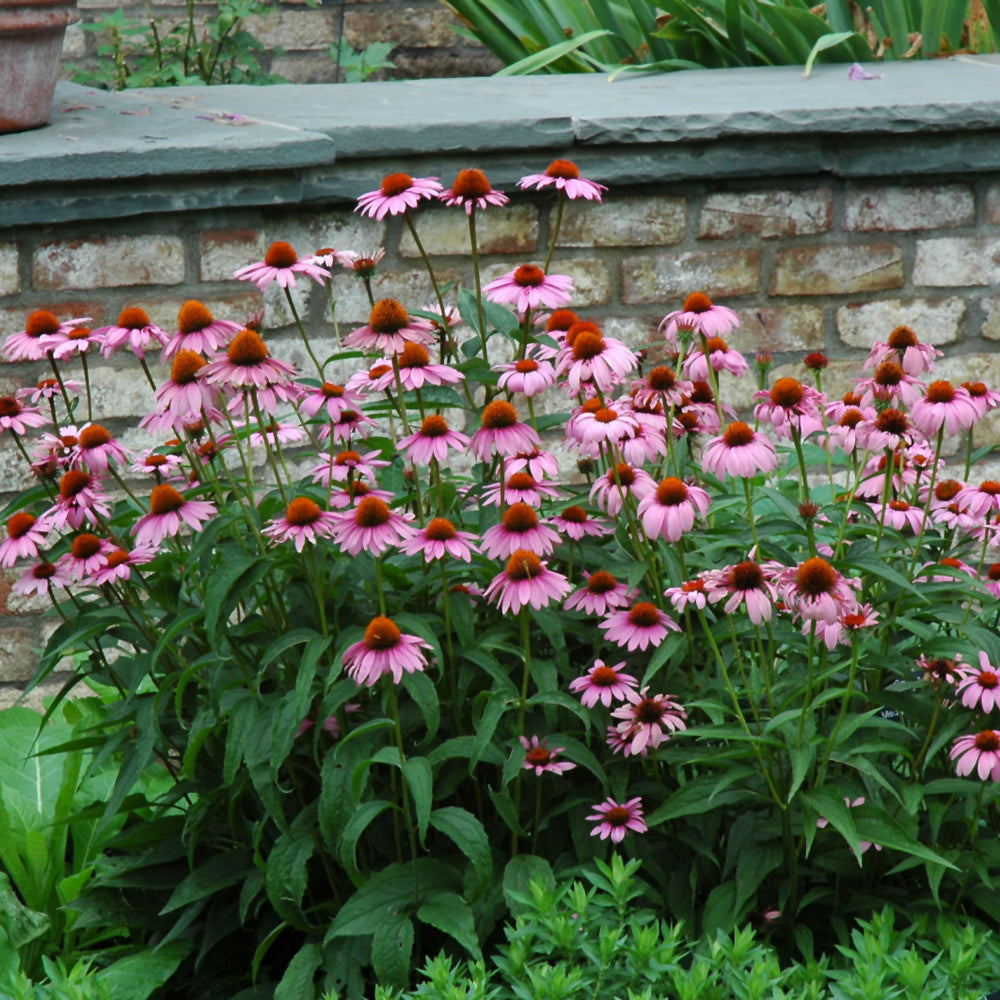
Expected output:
(31, 38)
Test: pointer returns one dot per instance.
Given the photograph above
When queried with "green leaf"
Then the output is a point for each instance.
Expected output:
(821, 44)
(422, 690)
(351, 834)
(539, 60)
(520, 872)
(417, 771)
(392, 948)
(469, 836)
(879, 827)
(222, 870)
(286, 874)
(137, 976)
(451, 914)
(829, 804)
(297, 982)
(227, 586)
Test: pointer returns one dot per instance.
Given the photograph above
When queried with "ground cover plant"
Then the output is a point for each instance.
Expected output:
(487, 594)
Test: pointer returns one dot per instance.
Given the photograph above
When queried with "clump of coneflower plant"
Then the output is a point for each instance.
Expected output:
(741, 647)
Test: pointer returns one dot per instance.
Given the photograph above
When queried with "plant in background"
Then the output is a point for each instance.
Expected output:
(557, 37)
(422, 661)
(356, 66)
(216, 49)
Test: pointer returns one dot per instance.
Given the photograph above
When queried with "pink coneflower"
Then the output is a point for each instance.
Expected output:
(472, 190)
(978, 501)
(17, 418)
(614, 820)
(661, 385)
(850, 422)
(96, 449)
(528, 376)
(87, 554)
(980, 689)
(647, 721)
(539, 758)
(983, 399)
(743, 583)
(80, 499)
(440, 539)
(349, 423)
(501, 432)
(944, 406)
(183, 395)
(890, 428)
(41, 333)
(432, 441)
(698, 315)
(992, 580)
(168, 509)
(521, 487)
(417, 370)
(691, 593)
(646, 445)
(119, 562)
(591, 358)
(526, 580)
(73, 342)
(303, 521)
(389, 329)
(899, 515)
(354, 491)
(154, 463)
(25, 536)
(638, 627)
(364, 265)
(199, 331)
(384, 650)
(42, 578)
(602, 684)
(604, 425)
(789, 405)
(346, 464)
(537, 463)
(889, 384)
(330, 397)
(247, 365)
(134, 328)
(699, 414)
(280, 432)
(717, 353)
(48, 389)
(378, 378)
(397, 193)
(940, 669)
(740, 452)
(371, 527)
(576, 524)
(565, 175)
(281, 264)
(602, 594)
(816, 591)
(903, 347)
(669, 512)
(621, 480)
(528, 287)
(840, 631)
(519, 528)
(979, 753)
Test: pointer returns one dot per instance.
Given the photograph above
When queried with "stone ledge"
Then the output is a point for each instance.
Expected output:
(207, 147)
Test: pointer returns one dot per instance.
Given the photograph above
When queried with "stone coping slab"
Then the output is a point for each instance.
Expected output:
(311, 142)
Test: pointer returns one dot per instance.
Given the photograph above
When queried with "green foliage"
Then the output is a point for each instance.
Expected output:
(557, 36)
(356, 66)
(216, 50)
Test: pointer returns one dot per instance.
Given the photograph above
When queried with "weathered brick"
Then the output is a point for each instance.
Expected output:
(10, 279)
(458, 60)
(766, 214)
(300, 67)
(412, 288)
(669, 277)
(109, 262)
(787, 328)
(74, 42)
(993, 204)
(223, 251)
(40, 695)
(445, 231)
(991, 309)
(638, 333)
(935, 321)
(319, 230)
(293, 30)
(18, 654)
(898, 209)
(957, 260)
(832, 270)
(406, 27)
(123, 392)
(625, 222)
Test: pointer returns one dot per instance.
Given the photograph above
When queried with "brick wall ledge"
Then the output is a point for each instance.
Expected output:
(110, 155)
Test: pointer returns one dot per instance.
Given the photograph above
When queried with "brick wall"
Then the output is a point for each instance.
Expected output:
(298, 36)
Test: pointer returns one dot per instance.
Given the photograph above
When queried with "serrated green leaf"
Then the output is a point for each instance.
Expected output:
(469, 836)
(392, 948)
(452, 915)
(417, 772)
(297, 982)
